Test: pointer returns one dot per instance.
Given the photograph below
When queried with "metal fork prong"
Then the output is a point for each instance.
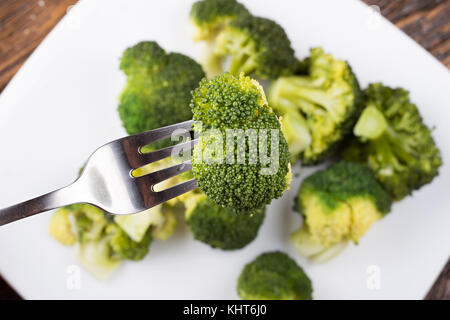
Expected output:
(167, 152)
(177, 190)
(159, 176)
(151, 136)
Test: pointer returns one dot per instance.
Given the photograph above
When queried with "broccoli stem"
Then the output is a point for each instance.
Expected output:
(242, 63)
(306, 94)
(373, 126)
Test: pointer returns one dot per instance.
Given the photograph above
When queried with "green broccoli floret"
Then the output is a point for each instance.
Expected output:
(393, 141)
(257, 47)
(158, 88)
(318, 110)
(338, 204)
(237, 103)
(126, 248)
(209, 17)
(223, 228)
(274, 276)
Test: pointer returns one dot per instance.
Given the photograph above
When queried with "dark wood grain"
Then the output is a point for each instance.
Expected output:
(426, 21)
(24, 23)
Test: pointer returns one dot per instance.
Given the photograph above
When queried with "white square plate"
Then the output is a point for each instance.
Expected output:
(62, 105)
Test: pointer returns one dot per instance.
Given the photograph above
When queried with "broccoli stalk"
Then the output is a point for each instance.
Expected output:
(392, 140)
(319, 108)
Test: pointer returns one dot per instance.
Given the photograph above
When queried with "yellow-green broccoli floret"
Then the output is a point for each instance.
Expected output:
(338, 204)
(228, 103)
(223, 228)
(61, 227)
(319, 109)
(123, 247)
(392, 140)
(274, 276)
(166, 229)
(257, 46)
(209, 17)
(158, 88)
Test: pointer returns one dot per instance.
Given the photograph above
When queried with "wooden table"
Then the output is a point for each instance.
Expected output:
(24, 23)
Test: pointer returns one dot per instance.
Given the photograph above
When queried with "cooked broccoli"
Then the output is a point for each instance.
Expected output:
(318, 110)
(274, 276)
(86, 225)
(338, 204)
(124, 247)
(105, 241)
(165, 230)
(158, 88)
(61, 228)
(227, 103)
(257, 47)
(221, 227)
(209, 17)
(393, 141)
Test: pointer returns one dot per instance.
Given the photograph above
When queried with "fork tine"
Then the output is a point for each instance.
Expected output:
(151, 136)
(166, 173)
(177, 190)
(167, 152)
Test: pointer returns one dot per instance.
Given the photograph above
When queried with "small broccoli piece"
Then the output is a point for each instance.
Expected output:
(339, 204)
(102, 243)
(229, 103)
(257, 47)
(209, 17)
(136, 225)
(61, 227)
(392, 140)
(124, 247)
(274, 276)
(158, 88)
(88, 224)
(97, 257)
(165, 230)
(221, 227)
(128, 236)
(320, 109)
(90, 221)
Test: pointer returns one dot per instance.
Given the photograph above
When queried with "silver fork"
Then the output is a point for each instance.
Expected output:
(107, 181)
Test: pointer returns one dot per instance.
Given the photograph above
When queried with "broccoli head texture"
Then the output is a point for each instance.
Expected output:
(226, 105)
(318, 110)
(209, 17)
(274, 276)
(392, 140)
(221, 227)
(257, 46)
(157, 92)
(339, 204)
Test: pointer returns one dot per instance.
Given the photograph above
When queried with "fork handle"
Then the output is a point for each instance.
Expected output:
(49, 201)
